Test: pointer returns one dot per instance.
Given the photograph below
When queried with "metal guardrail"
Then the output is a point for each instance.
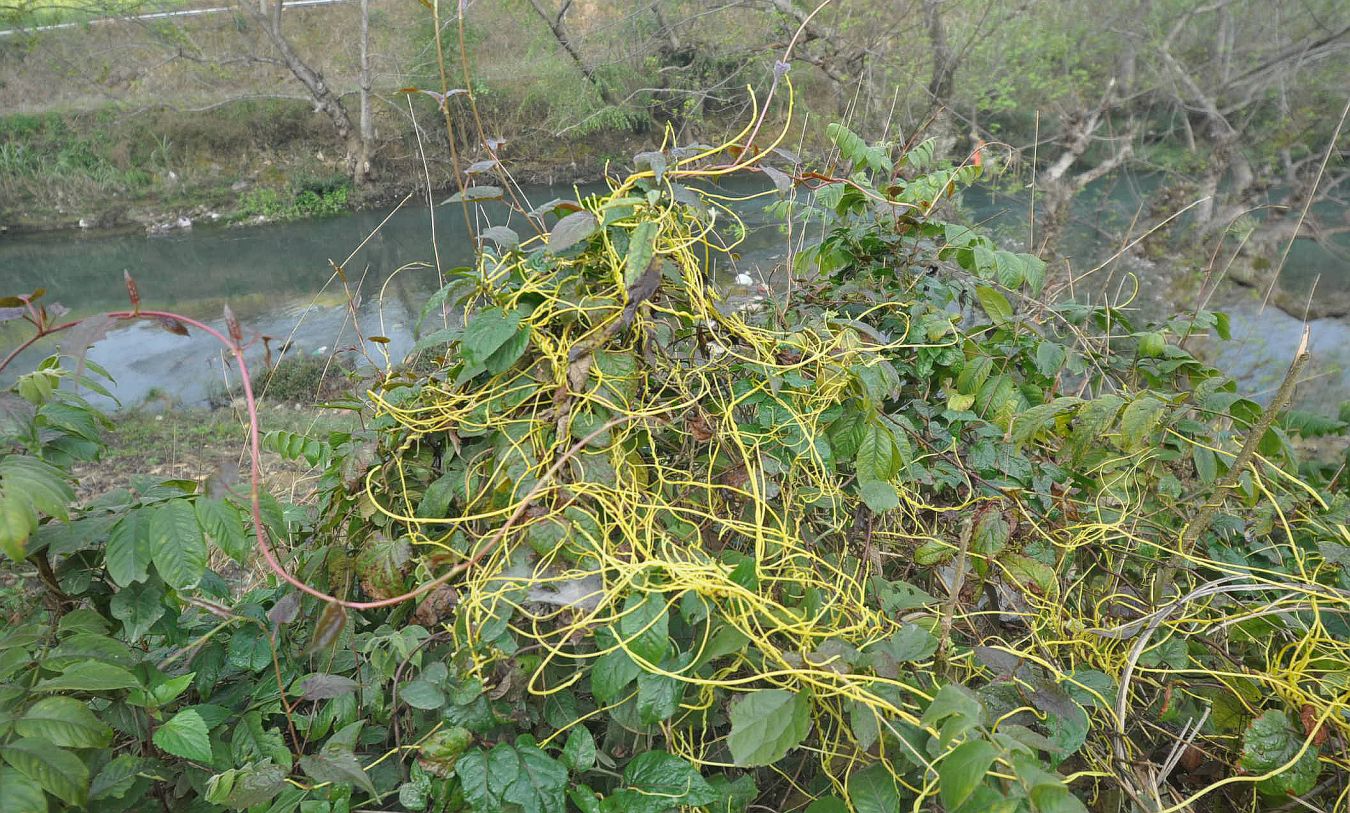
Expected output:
(158, 15)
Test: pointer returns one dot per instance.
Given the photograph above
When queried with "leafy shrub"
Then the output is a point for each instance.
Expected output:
(613, 545)
(302, 378)
(293, 205)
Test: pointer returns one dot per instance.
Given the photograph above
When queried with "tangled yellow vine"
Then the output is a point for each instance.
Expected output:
(623, 469)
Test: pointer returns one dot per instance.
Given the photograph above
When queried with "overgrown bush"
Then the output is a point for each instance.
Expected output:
(303, 379)
(294, 203)
(907, 538)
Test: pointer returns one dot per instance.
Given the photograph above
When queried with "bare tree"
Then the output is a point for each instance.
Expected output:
(557, 23)
(363, 167)
(944, 60)
(326, 100)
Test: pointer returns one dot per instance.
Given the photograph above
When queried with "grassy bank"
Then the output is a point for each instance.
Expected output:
(146, 122)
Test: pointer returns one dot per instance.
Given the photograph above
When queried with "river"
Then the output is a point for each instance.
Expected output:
(279, 279)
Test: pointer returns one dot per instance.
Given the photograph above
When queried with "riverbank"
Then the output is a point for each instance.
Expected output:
(248, 163)
(164, 123)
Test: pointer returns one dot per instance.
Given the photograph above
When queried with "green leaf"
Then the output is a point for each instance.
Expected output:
(320, 686)
(338, 766)
(1139, 420)
(89, 646)
(1049, 798)
(79, 421)
(658, 697)
(828, 804)
(43, 485)
(64, 721)
(19, 794)
(641, 247)
(674, 780)
(654, 161)
(766, 724)
(846, 432)
(856, 150)
(1151, 345)
(511, 350)
(1032, 575)
(1068, 730)
(872, 790)
(138, 607)
(879, 456)
(579, 752)
(185, 735)
(879, 497)
(644, 626)
(116, 778)
(512, 777)
(165, 691)
(58, 771)
(1033, 269)
(911, 644)
(1028, 424)
(952, 701)
(17, 523)
(1206, 464)
(1270, 743)
(421, 695)
(1094, 418)
(224, 528)
(250, 649)
(1310, 424)
(611, 675)
(487, 332)
(973, 374)
(415, 794)
(1049, 358)
(250, 742)
(437, 337)
(127, 556)
(571, 230)
(990, 533)
(256, 785)
(995, 304)
(90, 676)
(503, 236)
(28, 487)
(962, 770)
(177, 546)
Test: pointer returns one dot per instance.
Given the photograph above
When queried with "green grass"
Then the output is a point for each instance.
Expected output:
(142, 436)
(105, 161)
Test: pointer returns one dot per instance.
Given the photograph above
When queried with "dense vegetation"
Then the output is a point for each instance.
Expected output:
(903, 535)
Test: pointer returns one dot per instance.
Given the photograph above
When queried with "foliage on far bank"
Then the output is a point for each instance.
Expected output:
(322, 199)
(901, 536)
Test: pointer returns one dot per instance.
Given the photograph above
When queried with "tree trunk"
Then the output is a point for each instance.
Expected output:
(1060, 187)
(944, 62)
(367, 124)
(559, 28)
(325, 100)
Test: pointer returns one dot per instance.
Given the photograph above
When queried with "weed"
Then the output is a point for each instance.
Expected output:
(303, 379)
(273, 204)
